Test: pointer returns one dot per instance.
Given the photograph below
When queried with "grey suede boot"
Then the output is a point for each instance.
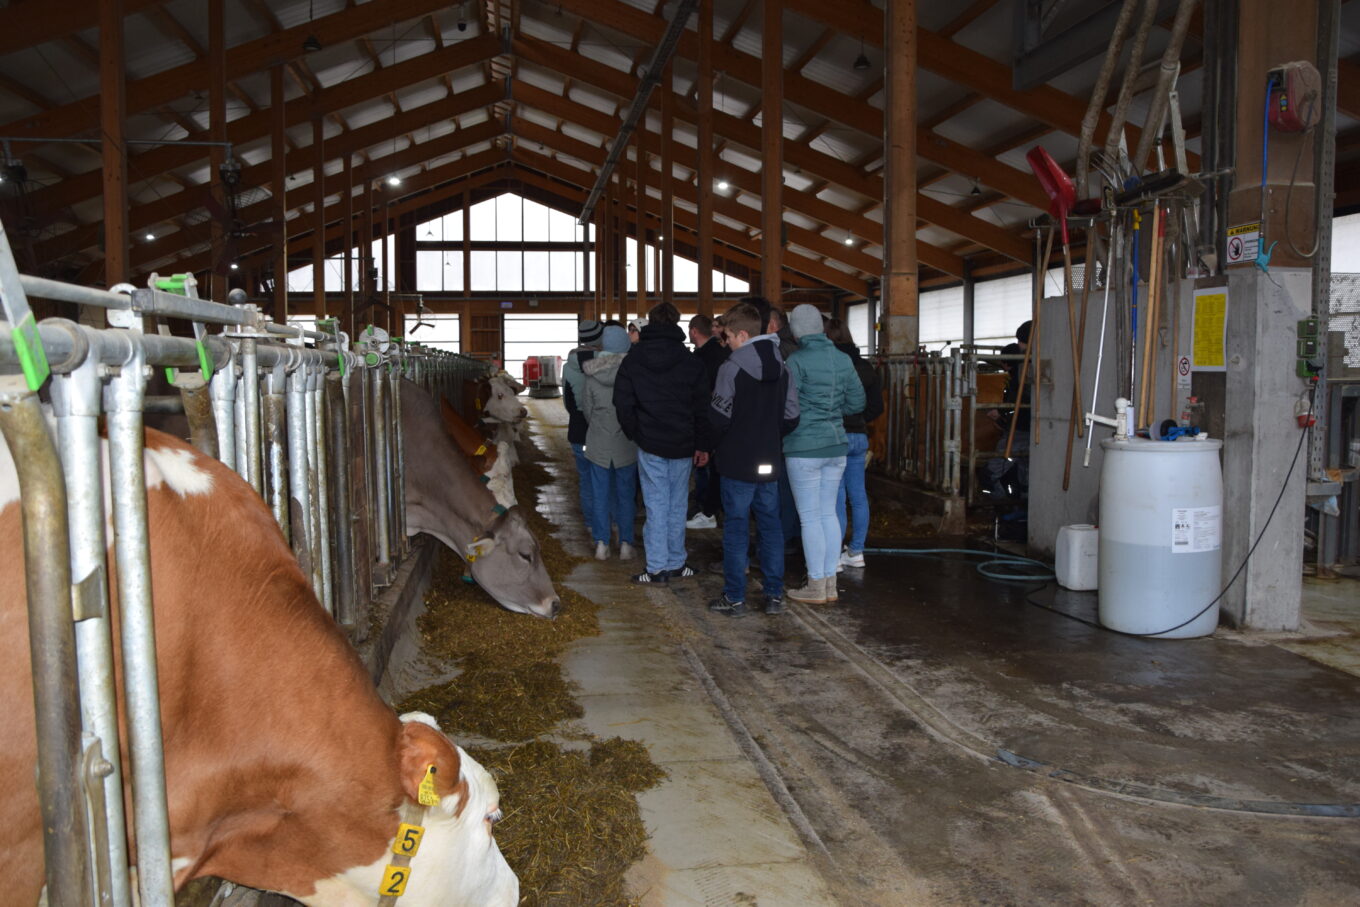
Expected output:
(813, 593)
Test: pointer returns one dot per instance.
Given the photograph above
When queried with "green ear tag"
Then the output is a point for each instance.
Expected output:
(485, 480)
(498, 510)
(32, 357)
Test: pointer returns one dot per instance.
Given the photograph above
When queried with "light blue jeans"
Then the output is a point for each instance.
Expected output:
(852, 487)
(612, 500)
(815, 482)
(583, 475)
(665, 493)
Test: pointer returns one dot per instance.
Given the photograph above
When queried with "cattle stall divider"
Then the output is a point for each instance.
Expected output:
(930, 430)
(311, 424)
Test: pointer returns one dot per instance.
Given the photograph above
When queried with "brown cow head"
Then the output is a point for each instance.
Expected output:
(505, 560)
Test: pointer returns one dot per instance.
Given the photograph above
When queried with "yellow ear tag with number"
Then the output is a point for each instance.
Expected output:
(394, 881)
(407, 843)
(481, 450)
(428, 796)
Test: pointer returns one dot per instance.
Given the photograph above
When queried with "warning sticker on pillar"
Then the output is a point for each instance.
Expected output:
(1183, 372)
(1210, 353)
(1244, 242)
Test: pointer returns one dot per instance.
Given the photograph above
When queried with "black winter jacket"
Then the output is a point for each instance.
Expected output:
(712, 354)
(576, 419)
(662, 393)
(858, 423)
(755, 404)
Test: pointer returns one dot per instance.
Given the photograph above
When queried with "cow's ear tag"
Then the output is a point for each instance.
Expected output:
(428, 796)
(479, 451)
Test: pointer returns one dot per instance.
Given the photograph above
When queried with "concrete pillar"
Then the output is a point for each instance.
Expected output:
(1262, 434)
(900, 319)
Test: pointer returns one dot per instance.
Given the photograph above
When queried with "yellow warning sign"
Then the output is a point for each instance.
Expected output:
(1211, 330)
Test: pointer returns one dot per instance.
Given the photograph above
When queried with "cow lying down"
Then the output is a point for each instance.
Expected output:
(284, 769)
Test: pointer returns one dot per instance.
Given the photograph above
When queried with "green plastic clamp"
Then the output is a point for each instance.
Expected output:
(32, 357)
(371, 359)
(175, 283)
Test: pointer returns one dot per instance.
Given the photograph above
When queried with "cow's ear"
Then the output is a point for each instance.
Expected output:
(479, 547)
(421, 748)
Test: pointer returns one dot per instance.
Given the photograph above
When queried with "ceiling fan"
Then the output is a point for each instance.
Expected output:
(234, 230)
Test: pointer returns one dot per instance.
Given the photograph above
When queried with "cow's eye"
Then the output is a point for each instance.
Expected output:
(495, 816)
(528, 556)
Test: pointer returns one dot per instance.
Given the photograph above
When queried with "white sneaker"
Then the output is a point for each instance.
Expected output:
(850, 560)
(701, 520)
(601, 551)
(626, 551)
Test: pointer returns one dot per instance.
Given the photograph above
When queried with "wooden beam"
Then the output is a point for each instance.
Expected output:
(278, 164)
(300, 110)
(217, 126)
(667, 275)
(25, 25)
(703, 167)
(772, 146)
(250, 57)
(966, 18)
(900, 267)
(640, 204)
(318, 218)
(112, 120)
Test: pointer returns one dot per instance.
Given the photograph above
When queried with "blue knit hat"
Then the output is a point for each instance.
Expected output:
(616, 339)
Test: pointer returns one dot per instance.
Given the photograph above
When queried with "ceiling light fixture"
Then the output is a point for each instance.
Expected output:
(150, 236)
(235, 266)
(849, 240)
(723, 185)
(310, 44)
(394, 180)
(976, 190)
(861, 62)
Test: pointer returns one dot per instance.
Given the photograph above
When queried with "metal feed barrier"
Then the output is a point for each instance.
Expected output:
(929, 430)
(311, 423)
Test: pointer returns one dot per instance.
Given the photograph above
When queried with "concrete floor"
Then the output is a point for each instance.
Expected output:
(937, 739)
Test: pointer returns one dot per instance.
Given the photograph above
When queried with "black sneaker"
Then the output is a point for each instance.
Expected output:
(725, 605)
(645, 577)
(680, 572)
(774, 604)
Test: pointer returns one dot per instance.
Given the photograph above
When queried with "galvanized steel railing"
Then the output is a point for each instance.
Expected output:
(310, 421)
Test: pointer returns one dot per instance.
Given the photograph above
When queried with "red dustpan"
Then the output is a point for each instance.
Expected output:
(1057, 185)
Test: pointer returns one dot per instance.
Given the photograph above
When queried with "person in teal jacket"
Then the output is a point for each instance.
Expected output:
(829, 389)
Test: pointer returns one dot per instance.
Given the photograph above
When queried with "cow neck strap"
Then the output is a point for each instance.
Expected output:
(397, 872)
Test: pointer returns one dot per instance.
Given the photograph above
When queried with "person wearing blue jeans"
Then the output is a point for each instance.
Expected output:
(665, 492)
(814, 453)
(739, 500)
(753, 407)
(661, 397)
(857, 440)
(612, 456)
(588, 335)
(852, 493)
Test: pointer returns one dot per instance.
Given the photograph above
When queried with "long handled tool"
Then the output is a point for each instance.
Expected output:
(1062, 196)
(1115, 241)
(1147, 391)
(1074, 424)
(1031, 349)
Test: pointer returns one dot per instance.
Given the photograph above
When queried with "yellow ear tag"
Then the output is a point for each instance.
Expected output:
(481, 450)
(479, 402)
(428, 795)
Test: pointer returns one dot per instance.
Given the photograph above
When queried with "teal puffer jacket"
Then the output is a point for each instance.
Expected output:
(829, 389)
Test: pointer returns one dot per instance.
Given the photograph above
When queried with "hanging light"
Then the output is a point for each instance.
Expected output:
(723, 185)
(235, 266)
(150, 236)
(976, 190)
(861, 62)
(311, 44)
(394, 180)
(849, 240)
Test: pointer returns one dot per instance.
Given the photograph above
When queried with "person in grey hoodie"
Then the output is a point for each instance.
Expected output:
(814, 453)
(613, 458)
(588, 334)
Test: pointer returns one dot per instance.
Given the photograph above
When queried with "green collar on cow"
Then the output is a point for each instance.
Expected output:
(409, 835)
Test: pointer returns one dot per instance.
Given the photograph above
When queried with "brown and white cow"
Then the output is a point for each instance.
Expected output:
(490, 459)
(284, 769)
(445, 498)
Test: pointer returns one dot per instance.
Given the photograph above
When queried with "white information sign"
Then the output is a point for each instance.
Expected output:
(1183, 372)
(1196, 529)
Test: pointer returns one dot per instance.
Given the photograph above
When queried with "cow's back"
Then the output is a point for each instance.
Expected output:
(258, 686)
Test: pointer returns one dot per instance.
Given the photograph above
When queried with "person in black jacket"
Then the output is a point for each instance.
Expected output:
(754, 406)
(661, 396)
(706, 482)
(857, 434)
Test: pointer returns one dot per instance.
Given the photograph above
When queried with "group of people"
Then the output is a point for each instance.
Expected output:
(771, 412)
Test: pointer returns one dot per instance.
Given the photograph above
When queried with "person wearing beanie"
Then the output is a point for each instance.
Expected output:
(661, 396)
(612, 456)
(635, 328)
(588, 334)
(814, 452)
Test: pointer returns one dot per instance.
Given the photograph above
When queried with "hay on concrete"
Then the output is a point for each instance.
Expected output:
(572, 826)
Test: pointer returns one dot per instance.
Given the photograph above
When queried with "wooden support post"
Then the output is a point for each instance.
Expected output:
(278, 188)
(368, 283)
(467, 244)
(704, 164)
(347, 187)
(388, 256)
(640, 226)
(220, 275)
(666, 273)
(899, 261)
(772, 148)
(112, 117)
(318, 217)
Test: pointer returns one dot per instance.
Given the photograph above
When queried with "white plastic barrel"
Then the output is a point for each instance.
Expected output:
(1161, 536)
(1075, 559)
